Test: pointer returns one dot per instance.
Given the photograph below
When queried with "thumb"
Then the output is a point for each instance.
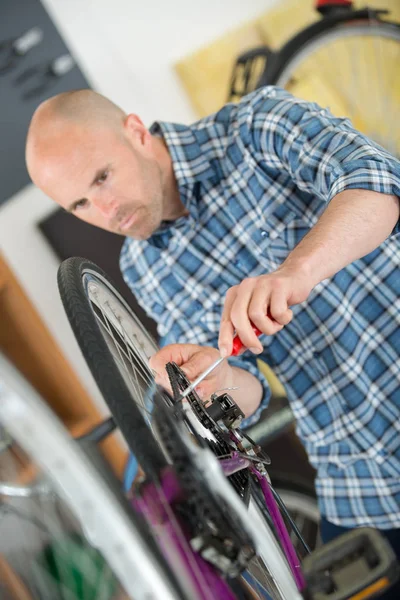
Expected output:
(196, 365)
(191, 368)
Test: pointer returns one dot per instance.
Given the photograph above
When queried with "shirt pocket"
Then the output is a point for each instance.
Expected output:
(277, 235)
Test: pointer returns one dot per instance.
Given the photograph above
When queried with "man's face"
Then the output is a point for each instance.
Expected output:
(107, 179)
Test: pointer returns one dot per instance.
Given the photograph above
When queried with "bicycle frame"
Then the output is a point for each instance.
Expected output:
(204, 580)
(196, 567)
(110, 528)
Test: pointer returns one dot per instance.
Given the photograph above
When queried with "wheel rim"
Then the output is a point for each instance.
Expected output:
(353, 70)
(127, 340)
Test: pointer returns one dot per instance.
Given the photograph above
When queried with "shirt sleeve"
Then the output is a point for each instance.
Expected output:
(199, 335)
(323, 155)
(249, 364)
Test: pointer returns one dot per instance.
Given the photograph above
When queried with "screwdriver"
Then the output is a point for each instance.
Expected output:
(236, 348)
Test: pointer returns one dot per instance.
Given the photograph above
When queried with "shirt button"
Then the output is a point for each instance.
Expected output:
(264, 233)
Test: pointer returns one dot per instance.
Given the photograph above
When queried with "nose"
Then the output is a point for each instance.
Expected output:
(107, 207)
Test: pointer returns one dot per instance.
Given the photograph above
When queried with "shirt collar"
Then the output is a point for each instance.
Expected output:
(190, 165)
(189, 160)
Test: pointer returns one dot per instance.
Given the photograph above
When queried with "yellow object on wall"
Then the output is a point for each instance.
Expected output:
(205, 74)
(277, 389)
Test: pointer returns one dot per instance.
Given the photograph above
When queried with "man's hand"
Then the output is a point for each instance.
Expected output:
(264, 301)
(193, 360)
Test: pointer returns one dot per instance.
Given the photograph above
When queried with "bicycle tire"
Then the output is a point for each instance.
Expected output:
(94, 348)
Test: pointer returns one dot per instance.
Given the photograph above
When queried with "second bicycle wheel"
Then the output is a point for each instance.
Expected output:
(351, 67)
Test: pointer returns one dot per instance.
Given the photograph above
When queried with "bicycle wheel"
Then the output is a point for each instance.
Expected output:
(351, 67)
(57, 556)
(93, 312)
(116, 348)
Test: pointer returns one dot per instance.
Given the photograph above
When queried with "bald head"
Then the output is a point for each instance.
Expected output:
(65, 115)
(101, 165)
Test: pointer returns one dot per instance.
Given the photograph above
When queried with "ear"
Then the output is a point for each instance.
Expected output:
(135, 129)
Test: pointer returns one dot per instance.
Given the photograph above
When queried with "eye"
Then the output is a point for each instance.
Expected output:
(80, 204)
(102, 178)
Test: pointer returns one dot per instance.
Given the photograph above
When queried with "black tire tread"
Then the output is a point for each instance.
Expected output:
(102, 366)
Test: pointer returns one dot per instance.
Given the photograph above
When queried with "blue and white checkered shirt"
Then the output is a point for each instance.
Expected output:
(255, 177)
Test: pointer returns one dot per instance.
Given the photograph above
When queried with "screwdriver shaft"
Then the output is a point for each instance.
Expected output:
(236, 348)
(201, 377)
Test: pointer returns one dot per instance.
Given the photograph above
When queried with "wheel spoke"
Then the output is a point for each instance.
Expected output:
(138, 394)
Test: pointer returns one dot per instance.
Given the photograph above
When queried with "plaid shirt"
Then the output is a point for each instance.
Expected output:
(255, 177)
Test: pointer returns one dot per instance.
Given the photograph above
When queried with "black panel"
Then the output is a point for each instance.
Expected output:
(69, 236)
(16, 18)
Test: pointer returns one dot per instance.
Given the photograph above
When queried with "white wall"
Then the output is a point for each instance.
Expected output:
(126, 50)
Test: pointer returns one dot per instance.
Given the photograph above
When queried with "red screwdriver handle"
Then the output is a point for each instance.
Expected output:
(238, 344)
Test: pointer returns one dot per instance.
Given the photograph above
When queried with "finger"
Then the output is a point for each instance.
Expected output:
(240, 316)
(200, 391)
(198, 363)
(226, 331)
(178, 353)
(162, 379)
(259, 311)
(278, 306)
(206, 389)
(158, 361)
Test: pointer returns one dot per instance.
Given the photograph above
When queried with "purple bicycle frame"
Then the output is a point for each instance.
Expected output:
(235, 463)
(203, 577)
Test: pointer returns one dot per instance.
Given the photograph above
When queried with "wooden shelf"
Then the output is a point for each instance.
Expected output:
(82, 426)
(26, 341)
(25, 472)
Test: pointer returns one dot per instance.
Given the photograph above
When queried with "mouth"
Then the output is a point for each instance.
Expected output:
(127, 222)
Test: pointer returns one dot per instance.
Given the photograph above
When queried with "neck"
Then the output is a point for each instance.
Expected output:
(173, 208)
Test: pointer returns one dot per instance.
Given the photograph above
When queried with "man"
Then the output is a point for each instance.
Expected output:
(282, 210)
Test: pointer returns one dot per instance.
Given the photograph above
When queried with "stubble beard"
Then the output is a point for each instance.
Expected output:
(151, 215)
(150, 218)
